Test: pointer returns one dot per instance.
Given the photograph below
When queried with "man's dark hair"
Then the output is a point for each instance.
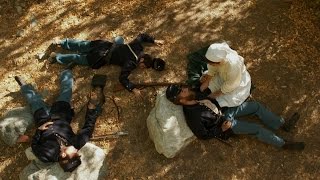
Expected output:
(158, 64)
(154, 63)
(172, 94)
(70, 164)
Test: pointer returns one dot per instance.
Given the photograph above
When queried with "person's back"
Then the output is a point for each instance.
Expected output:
(122, 53)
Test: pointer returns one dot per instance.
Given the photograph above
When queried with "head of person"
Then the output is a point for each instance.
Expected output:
(146, 61)
(178, 94)
(119, 40)
(69, 159)
(216, 53)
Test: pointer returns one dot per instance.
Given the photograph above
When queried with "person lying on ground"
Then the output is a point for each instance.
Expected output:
(54, 139)
(98, 53)
(206, 120)
(227, 76)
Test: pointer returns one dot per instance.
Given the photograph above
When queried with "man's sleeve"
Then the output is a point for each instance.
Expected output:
(87, 130)
(125, 72)
(144, 38)
(201, 125)
(210, 131)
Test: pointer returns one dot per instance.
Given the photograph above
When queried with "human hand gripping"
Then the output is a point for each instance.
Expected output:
(204, 86)
(204, 80)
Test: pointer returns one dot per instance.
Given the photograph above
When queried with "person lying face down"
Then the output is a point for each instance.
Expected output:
(205, 119)
(98, 53)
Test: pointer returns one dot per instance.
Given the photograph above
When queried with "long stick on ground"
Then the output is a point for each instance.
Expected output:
(151, 84)
(110, 135)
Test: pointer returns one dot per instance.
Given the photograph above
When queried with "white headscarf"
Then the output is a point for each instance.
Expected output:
(220, 51)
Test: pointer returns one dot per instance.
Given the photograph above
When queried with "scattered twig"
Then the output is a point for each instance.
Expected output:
(117, 107)
(110, 135)
(224, 142)
(274, 32)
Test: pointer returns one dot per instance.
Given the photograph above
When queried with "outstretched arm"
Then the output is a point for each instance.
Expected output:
(87, 130)
(146, 38)
(94, 109)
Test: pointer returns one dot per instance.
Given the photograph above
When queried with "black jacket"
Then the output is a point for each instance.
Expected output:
(45, 144)
(203, 122)
(121, 56)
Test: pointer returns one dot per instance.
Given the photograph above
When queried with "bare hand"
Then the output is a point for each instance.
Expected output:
(225, 125)
(159, 42)
(204, 86)
(204, 78)
(45, 126)
(118, 87)
(23, 139)
(137, 92)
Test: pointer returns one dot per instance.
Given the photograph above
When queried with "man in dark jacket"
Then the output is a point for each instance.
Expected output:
(54, 140)
(206, 120)
(99, 52)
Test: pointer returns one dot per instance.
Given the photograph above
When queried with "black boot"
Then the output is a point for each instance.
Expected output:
(299, 146)
(19, 81)
(290, 123)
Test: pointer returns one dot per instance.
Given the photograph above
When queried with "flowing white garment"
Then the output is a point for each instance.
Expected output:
(232, 78)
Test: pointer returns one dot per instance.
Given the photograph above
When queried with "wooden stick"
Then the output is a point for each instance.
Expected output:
(110, 135)
(151, 84)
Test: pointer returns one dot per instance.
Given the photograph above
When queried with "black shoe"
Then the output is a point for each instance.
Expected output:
(290, 123)
(19, 81)
(299, 146)
(52, 48)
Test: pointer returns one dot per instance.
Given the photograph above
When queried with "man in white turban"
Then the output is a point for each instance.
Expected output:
(227, 77)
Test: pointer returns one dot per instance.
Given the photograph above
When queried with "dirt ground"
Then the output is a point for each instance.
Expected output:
(278, 39)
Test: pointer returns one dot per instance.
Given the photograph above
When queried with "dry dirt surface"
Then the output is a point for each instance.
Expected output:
(280, 43)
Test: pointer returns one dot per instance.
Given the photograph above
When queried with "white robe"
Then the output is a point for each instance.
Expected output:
(232, 78)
